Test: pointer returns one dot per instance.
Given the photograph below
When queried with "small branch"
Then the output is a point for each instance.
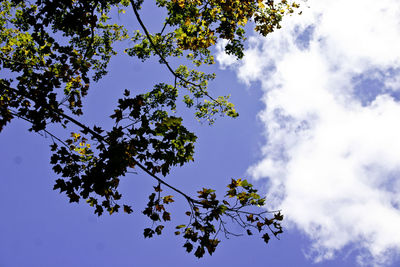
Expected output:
(91, 32)
(44, 130)
(165, 25)
(13, 61)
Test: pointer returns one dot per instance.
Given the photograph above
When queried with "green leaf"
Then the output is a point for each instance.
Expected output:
(180, 226)
(168, 199)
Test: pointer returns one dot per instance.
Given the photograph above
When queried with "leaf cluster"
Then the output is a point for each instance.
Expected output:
(52, 51)
(209, 216)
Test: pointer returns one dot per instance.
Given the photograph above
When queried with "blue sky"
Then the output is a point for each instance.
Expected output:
(318, 132)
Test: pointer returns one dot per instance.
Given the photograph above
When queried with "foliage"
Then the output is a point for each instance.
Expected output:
(50, 52)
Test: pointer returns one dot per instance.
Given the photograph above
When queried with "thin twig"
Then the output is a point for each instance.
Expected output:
(44, 130)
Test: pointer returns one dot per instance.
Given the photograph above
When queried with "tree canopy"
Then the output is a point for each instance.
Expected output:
(51, 52)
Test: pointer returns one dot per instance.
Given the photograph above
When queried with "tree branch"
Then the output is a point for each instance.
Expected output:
(102, 139)
(161, 56)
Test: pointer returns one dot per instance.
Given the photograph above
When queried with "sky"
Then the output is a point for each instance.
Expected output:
(331, 157)
(318, 132)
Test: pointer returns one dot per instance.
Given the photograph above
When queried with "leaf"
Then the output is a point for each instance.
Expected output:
(244, 183)
(60, 184)
(155, 217)
(166, 216)
(222, 209)
(128, 209)
(53, 147)
(159, 207)
(99, 210)
(259, 226)
(278, 216)
(157, 188)
(73, 198)
(250, 218)
(266, 238)
(188, 246)
(158, 229)
(268, 221)
(148, 233)
(231, 193)
(180, 226)
(111, 211)
(205, 192)
(226, 202)
(212, 245)
(168, 199)
(97, 129)
(199, 252)
(280, 231)
(91, 201)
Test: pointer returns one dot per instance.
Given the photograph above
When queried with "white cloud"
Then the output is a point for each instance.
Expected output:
(332, 124)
